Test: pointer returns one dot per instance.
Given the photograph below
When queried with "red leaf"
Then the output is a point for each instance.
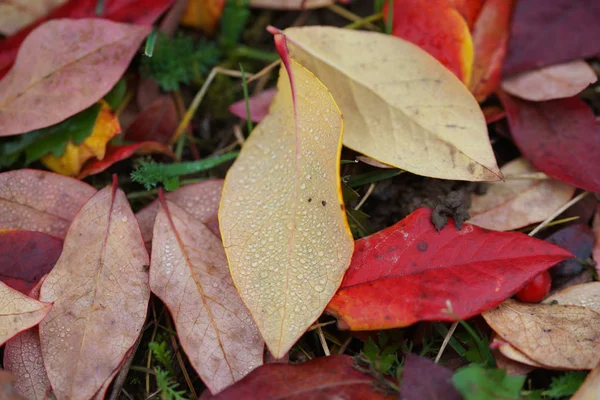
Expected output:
(551, 32)
(26, 256)
(139, 12)
(259, 105)
(560, 137)
(322, 378)
(469, 9)
(118, 153)
(407, 273)
(424, 379)
(157, 122)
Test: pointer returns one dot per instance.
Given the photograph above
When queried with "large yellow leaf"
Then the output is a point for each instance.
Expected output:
(400, 105)
(282, 216)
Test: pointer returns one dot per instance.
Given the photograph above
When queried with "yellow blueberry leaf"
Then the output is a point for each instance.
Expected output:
(282, 214)
(75, 156)
(203, 14)
(400, 105)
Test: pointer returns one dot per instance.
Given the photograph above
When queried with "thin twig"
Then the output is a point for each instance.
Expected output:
(350, 16)
(365, 21)
(446, 340)
(320, 325)
(557, 213)
(263, 71)
(345, 345)
(186, 376)
(323, 341)
(531, 176)
(239, 136)
(366, 196)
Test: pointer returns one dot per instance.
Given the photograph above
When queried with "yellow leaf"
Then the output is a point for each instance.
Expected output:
(282, 216)
(400, 105)
(71, 161)
(203, 14)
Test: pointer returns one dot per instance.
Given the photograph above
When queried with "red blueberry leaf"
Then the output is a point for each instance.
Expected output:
(469, 9)
(333, 377)
(99, 288)
(139, 12)
(157, 122)
(76, 61)
(596, 249)
(26, 256)
(40, 201)
(424, 379)
(259, 106)
(551, 32)
(121, 152)
(579, 240)
(408, 272)
(558, 137)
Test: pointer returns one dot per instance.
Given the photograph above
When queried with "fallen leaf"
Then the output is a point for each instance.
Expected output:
(201, 200)
(475, 382)
(140, 12)
(26, 256)
(551, 32)
(490, 37)
(291, 4)
(552, 82)
(424, 379)
(557, 336)
(23, 357)
(282, 219)
(596, 249)
(442, 136)
(579, 240)
(518, 202)
(557, 136)
(203, 14)
(410, 271)
(373, 163)
(585, 295)
(512, 368)
(40, 201)
(436, 27)
(157, 122)
(118, 153)
(99, 288)
(493, 114)
(189, 273)
(510, 352)
(16, 14)
(469, 9)
(18, 312)
(259, 106)
(590, 389)
(75, 156)
(321, 378)
(64, 57)
(7, 391)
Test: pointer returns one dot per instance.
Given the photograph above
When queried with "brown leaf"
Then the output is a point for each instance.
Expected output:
(513, 368)
(40, 201)
(557, 336)
(590, 388)
(7, 391)
(189, 273)
(99, 287)
(585, 295)
(18, 312)
(17, 14)
(157, 122)
(422, 379)
(511, 353)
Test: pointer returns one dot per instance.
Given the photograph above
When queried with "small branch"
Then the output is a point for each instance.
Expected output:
(557, 213)
(446, 340)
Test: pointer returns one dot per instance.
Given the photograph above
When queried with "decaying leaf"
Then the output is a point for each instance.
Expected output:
(552, 82)
(291, 4)
(557, 136)
(40, 201)
(513, 354)
(158, 122)
(76, 61)
(282, 213)
(322, 378)
(585, 295)
(26, 256)
(259, 106)
(75, 156)
(389, 112)
(410, 271)
(518, 201)
(189, 273)
(590, 389)
(18, 312)
(16, 14)
(99, 288)
(557, 336)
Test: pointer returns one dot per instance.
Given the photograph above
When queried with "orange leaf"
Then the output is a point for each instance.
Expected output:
(99, 288)
(71, 161)
(189, 273)
(439, 29)
(18, 312)
(490, 36)
(203, 14)
(40, 201)
(282, 214)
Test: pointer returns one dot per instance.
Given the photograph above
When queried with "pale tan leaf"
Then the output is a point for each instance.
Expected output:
(282, 214)
(590, 388)
(511, 353)
(373, 163)
(512, 368)
(517, 202)
(290, 4)
(40, 201)
(189, 273)
(18, 312)
(99, 287)
(402, 107)
(557, 336)
(16, 14)
(585, 295)
(553, 82)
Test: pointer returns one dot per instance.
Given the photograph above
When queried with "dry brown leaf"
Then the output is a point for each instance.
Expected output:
(590, 388)
(189, 273)
(40, 201)
(16, 14)
(553, 82)
(99, 287)
(516, 203)
(511, 353)
(557, 336)
(585, 295)
(512, 368)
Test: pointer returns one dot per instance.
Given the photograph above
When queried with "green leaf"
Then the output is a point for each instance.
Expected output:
(565, 385)
(233, 21)
(477, 383)
(116, 94)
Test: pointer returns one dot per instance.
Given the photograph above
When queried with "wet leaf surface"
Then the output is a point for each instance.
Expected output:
(18, 312)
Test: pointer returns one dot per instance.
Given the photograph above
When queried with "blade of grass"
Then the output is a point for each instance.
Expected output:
(246, 100)
(373, 176)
